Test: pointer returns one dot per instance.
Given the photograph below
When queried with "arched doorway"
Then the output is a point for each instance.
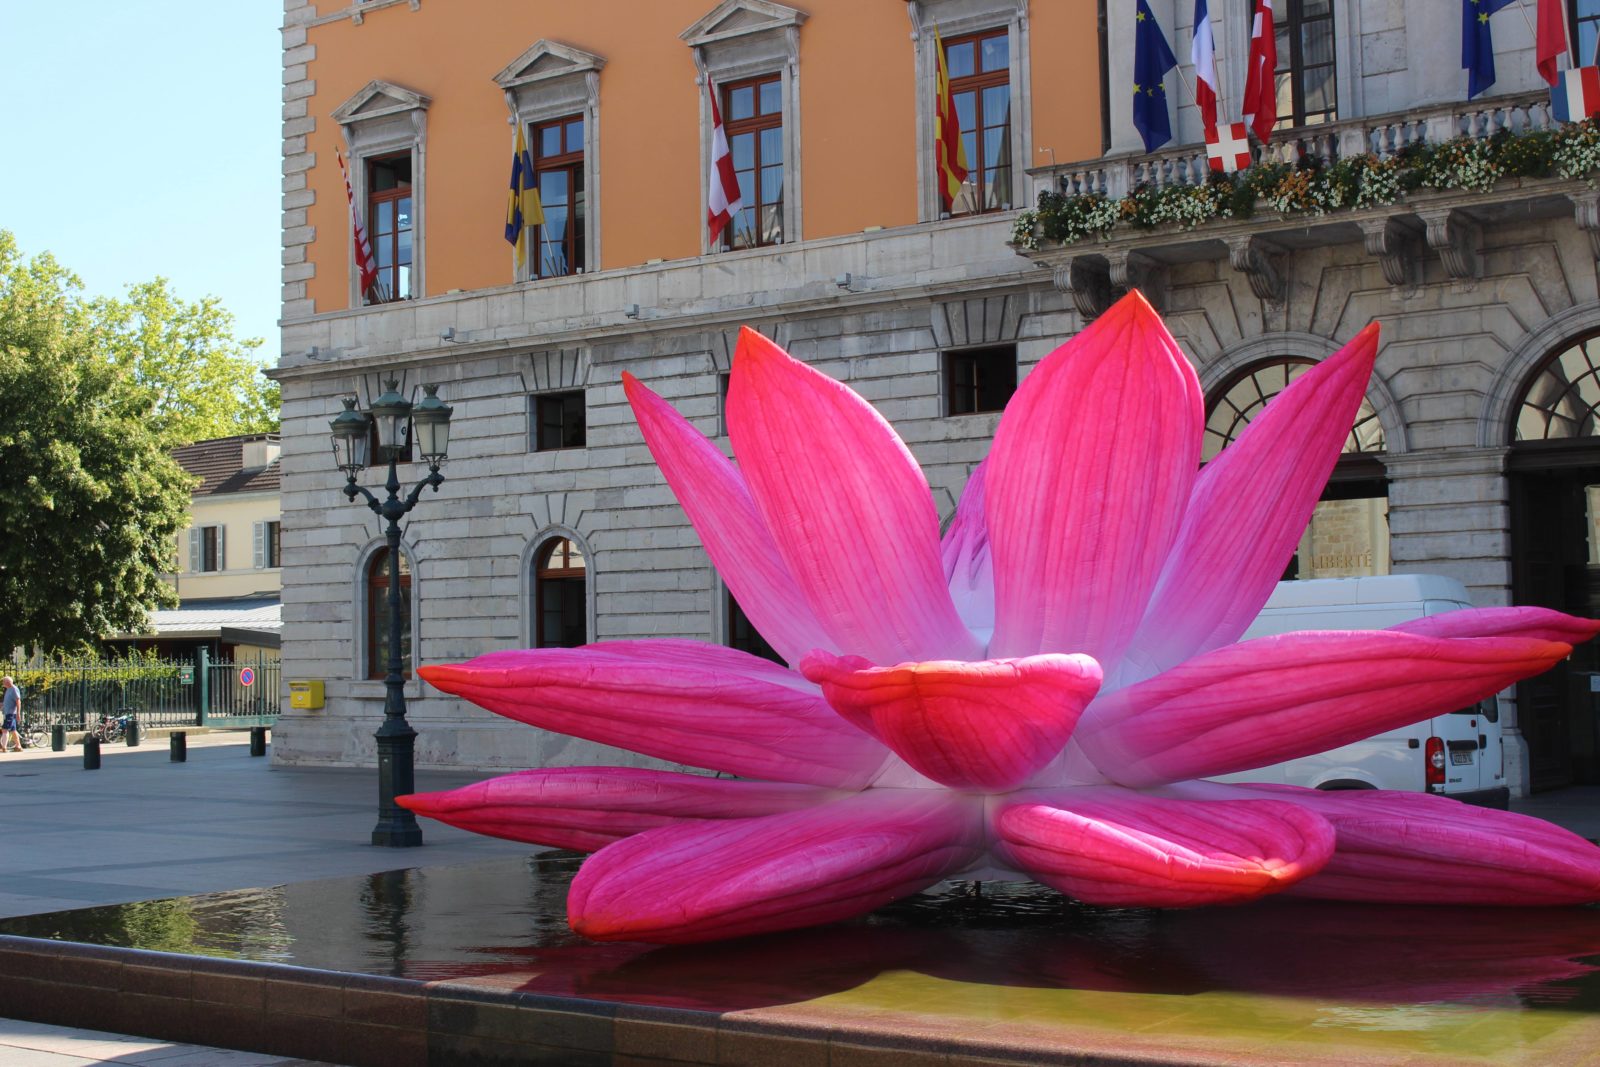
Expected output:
(1554, 476)
(1349, 534)
(560, 595)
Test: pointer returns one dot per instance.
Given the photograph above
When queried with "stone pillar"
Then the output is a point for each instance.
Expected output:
(1450, 514)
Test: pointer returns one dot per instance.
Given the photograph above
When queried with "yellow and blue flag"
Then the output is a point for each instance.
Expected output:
(522, 201)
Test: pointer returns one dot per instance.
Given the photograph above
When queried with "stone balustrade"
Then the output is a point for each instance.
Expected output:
(1381, 135)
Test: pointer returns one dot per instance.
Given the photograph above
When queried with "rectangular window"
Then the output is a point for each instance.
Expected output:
(558, 170)
(1583, 17)
(556, 420)
(207, 549)
(977, 380)
(980, 85)
(745, 637)
(1307, 94)
(752, 117)
(389, 217)
(723, 381)
(268, 553)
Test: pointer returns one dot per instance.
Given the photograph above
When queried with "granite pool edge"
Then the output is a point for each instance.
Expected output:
(362, 1019)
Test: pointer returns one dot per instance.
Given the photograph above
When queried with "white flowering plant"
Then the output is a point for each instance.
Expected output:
(1571, 151)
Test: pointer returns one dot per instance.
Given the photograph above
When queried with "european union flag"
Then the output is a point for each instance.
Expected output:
(1477, 43)
(1152, 58)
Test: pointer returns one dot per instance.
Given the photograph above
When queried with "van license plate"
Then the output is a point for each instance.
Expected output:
(1461, 759)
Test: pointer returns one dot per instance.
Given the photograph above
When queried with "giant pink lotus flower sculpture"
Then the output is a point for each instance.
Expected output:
(1028, 698)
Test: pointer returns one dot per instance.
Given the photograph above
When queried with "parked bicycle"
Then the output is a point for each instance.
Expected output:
(34, 732)
(117, 726)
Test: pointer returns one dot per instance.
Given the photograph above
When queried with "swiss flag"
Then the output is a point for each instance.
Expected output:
(723, 201)
(1576, 95)
(1229, 150)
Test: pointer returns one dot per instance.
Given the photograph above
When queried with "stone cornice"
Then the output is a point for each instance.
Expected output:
(819, 293)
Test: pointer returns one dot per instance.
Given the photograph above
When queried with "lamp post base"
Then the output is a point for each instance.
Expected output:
(397, 836)
(397, 827)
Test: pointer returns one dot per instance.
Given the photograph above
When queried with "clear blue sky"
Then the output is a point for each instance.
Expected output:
(143, 139)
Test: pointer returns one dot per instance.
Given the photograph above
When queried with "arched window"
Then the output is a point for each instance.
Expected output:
(1348, 534)
(378, 614)
(1242, 397)
(1562, 396)
(560, 596)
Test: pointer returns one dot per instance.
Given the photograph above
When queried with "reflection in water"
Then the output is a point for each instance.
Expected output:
(508, 918)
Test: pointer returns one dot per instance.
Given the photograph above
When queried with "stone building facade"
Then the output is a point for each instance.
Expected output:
(1477, 291)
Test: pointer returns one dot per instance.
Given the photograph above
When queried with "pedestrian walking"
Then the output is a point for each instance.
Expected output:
(10, 715)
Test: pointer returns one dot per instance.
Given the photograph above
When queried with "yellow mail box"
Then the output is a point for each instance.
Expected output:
(307, 694)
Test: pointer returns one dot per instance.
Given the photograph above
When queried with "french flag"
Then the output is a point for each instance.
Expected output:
(1203, 54)
(1576, 95)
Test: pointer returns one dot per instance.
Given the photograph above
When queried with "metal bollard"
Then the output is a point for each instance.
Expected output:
(132, 735)
(178, 747)
(258, 740)
(91, 753)
(58, 738)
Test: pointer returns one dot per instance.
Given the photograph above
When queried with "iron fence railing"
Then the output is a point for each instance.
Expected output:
(162, 693)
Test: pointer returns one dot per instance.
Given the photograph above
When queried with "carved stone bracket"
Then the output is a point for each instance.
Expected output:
(1586, 209)
(1135, 270)
(1258, 259)
(1087, 280)
(1398, 250)
(1456, 237)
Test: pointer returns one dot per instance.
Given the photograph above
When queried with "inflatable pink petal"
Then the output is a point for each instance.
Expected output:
(1105, 845)
(1539, 623)
(848, 507)
(986, 725)
(722, 709)
(961, 726)
(1091, 468)
(1414, 848)
(586, 808)
(702, 881)
(1248, 509)
(717, 501)
(1277, 698)
(968, 569)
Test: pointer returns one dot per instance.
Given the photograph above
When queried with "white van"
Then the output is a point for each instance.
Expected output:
(1455, 754)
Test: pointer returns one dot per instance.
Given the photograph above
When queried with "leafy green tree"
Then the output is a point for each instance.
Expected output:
(90, 500)
(204, 383)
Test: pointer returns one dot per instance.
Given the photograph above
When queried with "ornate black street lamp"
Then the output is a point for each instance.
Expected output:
(429, 421)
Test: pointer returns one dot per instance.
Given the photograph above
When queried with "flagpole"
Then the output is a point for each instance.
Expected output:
(1522, 6)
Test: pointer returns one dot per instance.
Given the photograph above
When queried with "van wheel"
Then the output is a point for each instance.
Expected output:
(1344, 784)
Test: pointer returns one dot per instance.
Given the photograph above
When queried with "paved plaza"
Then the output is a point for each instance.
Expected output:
(142, 827)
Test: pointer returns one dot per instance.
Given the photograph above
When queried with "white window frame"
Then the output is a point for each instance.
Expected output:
(549, 81)
(740, 39)
(384, 119)
(260, 540)
(197, 549)
(957, 18)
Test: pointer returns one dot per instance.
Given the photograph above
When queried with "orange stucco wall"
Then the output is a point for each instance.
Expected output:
(857, 108)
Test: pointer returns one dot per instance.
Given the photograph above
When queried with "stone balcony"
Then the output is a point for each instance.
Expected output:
(1447, 224)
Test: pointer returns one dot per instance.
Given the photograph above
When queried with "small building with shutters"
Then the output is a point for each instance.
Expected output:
(227, 564)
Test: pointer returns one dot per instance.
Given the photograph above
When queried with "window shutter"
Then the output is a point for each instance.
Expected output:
(257, 530)
(194, 549)
(222, 551)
